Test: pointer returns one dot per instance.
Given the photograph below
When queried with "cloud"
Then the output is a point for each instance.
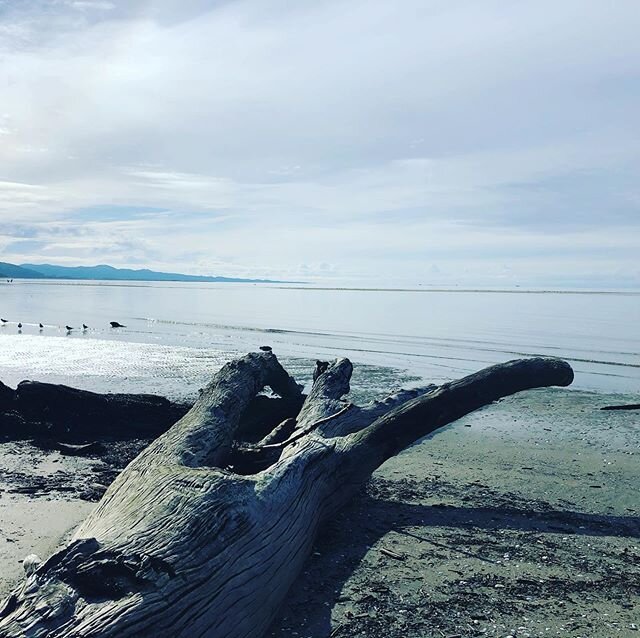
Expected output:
(237, 135)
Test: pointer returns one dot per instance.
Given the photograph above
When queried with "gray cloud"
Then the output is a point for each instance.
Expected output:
(262, 136)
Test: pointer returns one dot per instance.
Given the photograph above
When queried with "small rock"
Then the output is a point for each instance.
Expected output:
(31, 563)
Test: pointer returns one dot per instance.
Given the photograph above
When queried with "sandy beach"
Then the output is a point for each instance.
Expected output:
(522, 519)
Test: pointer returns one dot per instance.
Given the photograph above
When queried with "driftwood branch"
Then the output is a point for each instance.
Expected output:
(42, 410)
(183, 546)
(629, 406)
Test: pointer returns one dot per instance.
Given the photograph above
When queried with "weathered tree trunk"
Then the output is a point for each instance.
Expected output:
(41, 410)
(200, 536)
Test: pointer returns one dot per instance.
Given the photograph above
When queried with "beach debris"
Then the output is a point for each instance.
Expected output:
(630, 406)
(28, 489)
(116, 324)
(31, 563)
(83, 449)
(266, 348)
(391, 554)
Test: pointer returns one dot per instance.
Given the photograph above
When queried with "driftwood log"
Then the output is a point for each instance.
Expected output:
(202, 535)
(48, 410)
(630, 406)
(36, 410)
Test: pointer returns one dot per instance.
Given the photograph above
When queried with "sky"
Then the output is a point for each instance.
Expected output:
(417, 142)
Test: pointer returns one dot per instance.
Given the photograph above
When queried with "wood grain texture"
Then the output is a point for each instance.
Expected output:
(181, 547)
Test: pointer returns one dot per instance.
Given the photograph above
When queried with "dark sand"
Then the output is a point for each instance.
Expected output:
(525, 523)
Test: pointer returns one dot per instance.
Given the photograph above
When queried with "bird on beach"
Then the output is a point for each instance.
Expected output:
(40, 326)
(84, 326)
(69, 328)
(4, 321)
(19, 325)
(116, 324)
(266, 348)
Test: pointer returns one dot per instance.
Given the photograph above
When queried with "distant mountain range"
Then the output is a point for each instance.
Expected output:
(12, 271)
(109, 273)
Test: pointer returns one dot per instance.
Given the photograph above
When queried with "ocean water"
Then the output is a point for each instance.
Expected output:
(178, 334)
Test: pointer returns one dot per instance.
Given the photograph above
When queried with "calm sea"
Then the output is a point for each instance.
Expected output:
(177, 334)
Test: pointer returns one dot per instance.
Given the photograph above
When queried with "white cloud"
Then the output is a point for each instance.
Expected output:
(368, 135)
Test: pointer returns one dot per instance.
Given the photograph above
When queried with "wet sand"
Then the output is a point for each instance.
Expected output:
(525, 523)
(39, 504)
(522, 519)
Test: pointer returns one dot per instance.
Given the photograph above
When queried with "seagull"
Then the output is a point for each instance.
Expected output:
(84, 326)
(115, 324)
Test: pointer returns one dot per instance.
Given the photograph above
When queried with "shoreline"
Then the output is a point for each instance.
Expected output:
(294, 285)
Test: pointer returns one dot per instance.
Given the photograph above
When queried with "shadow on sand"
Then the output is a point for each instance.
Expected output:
(444, 532)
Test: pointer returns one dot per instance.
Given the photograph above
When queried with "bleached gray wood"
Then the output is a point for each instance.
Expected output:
(180, 547)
